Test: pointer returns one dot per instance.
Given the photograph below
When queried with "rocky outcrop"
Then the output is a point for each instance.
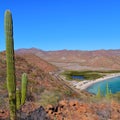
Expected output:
(38, 114)
(74, 110)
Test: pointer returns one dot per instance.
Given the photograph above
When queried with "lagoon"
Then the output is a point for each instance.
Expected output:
(79, 77)
(113, 84)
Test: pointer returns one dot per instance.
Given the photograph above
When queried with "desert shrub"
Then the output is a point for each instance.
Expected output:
(5, 85)
(38, 90)
(68, 93)
(49, 97)
(116, 96)
(88, 75)
(3, 102)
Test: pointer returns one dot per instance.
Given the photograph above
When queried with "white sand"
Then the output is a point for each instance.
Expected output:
(87, 83)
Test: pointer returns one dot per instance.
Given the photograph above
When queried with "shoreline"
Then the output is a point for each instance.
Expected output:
(83, 85)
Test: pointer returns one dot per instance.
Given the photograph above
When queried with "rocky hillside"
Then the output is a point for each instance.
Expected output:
(75, 59)
(59, 100)
(75, 110)
(38, 62)
(43, 88)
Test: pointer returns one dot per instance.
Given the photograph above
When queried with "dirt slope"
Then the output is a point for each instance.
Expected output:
(43, 88)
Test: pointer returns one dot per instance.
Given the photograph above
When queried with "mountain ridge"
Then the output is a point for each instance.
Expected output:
(97, 59)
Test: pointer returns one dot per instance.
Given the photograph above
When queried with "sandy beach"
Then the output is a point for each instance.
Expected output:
(82, 85)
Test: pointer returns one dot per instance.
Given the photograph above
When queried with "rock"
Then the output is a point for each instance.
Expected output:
(73, 103)
(38, 114)
(49, 107)
(63, 103)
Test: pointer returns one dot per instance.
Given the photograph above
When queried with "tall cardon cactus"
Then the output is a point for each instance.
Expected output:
(16, 96)
(11, 81)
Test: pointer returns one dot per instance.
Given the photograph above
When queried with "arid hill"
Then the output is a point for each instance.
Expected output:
(79, 60)
(38, 62)
(43, 88)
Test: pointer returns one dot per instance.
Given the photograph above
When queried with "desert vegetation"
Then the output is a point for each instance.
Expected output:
(17, 97)
(88, 75)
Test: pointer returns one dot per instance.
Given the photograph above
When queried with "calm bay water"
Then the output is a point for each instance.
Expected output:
(80, 77)
(113, 84)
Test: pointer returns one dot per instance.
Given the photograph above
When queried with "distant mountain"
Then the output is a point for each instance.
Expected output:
(76, 59)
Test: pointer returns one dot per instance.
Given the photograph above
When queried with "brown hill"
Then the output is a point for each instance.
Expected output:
(75, 59)
(38, 62)
(43, 88)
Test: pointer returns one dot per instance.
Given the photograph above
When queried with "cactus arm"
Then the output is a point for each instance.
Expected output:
(23, 88)
(18, 100)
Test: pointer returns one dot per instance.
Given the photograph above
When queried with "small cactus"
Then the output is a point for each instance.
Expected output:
(98, 95)
(23, 88)
(18, 100)
(21, 93)
(107, 91)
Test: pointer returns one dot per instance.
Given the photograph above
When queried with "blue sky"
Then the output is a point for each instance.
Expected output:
(63, 24)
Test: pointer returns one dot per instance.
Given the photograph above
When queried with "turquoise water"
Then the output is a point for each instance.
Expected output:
(113, 84)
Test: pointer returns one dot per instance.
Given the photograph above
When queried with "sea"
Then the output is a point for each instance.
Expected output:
(113, 85)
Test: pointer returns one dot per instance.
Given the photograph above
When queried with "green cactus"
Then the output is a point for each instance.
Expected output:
(23, 88)
(18, 99)
(98, 95)
(107, 92)
(11, 81)
(16, 96)
(21, 94)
